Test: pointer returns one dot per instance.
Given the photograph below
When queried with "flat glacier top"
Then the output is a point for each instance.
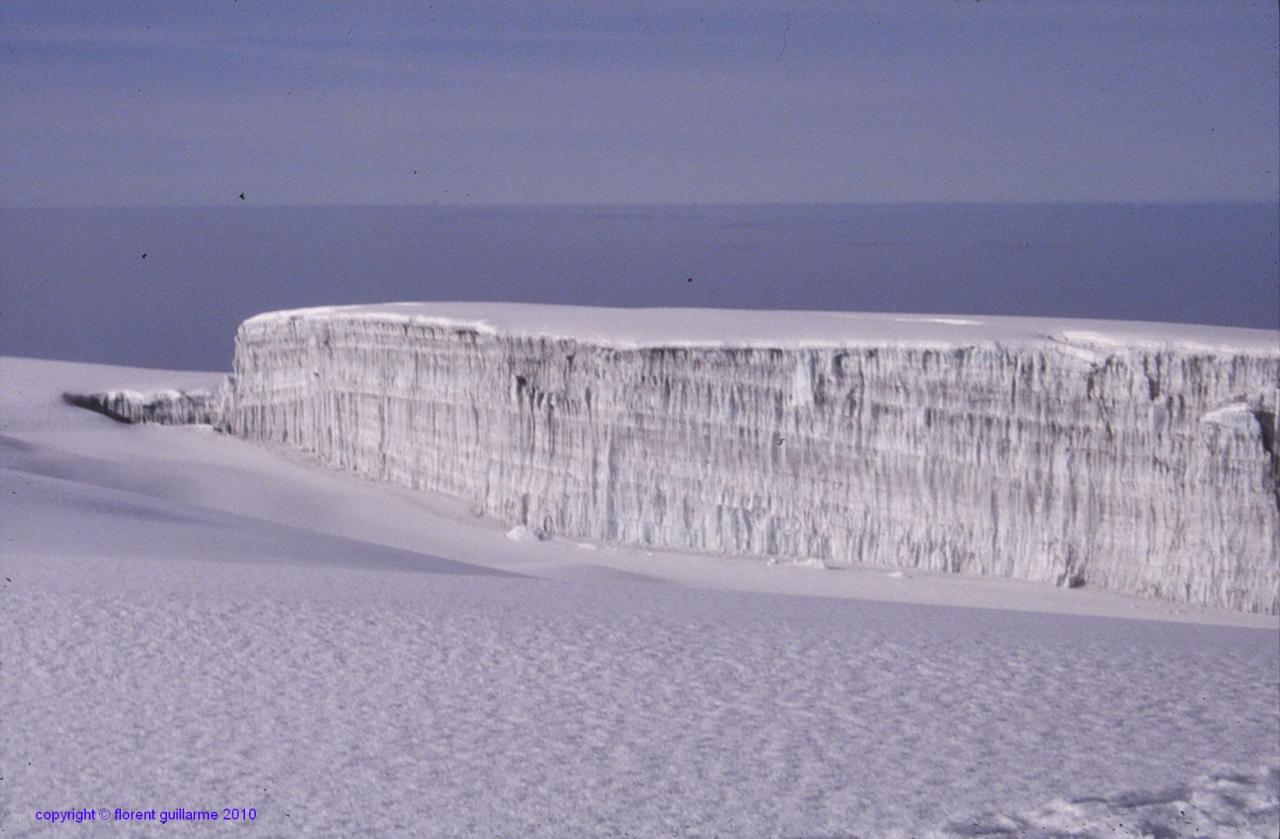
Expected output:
(746, 327)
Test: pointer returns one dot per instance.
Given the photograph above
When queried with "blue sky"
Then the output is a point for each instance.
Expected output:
(137, 104)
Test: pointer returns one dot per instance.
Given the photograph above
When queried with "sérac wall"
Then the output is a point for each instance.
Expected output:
(1140, 458)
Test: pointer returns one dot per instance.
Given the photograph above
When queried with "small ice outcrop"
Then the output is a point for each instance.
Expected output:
(522, 533)
(199, 406)
(800, 562)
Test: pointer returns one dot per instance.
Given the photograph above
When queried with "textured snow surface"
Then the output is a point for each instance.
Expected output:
(190, 620)
(1135, 457)
(490, 706)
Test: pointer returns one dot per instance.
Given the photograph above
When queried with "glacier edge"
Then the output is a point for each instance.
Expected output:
(1139, 458)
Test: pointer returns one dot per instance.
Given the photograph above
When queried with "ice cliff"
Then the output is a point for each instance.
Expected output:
(1136, 457)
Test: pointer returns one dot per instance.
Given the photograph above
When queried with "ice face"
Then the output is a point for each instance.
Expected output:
(1137, 458)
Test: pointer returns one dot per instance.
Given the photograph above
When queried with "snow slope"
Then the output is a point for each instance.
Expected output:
(192, 620)
(1135, 457)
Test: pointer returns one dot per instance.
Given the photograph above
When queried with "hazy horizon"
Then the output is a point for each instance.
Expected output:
(208, 268)
(641, 205)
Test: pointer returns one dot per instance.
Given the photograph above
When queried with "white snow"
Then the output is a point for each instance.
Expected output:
(192, 620)
(1075, 452)
(950, 321)
(746, 327)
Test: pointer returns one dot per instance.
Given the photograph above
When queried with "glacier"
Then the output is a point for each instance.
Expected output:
(1131, 456)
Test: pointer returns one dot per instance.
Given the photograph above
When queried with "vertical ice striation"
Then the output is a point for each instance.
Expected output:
(1140, 458)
